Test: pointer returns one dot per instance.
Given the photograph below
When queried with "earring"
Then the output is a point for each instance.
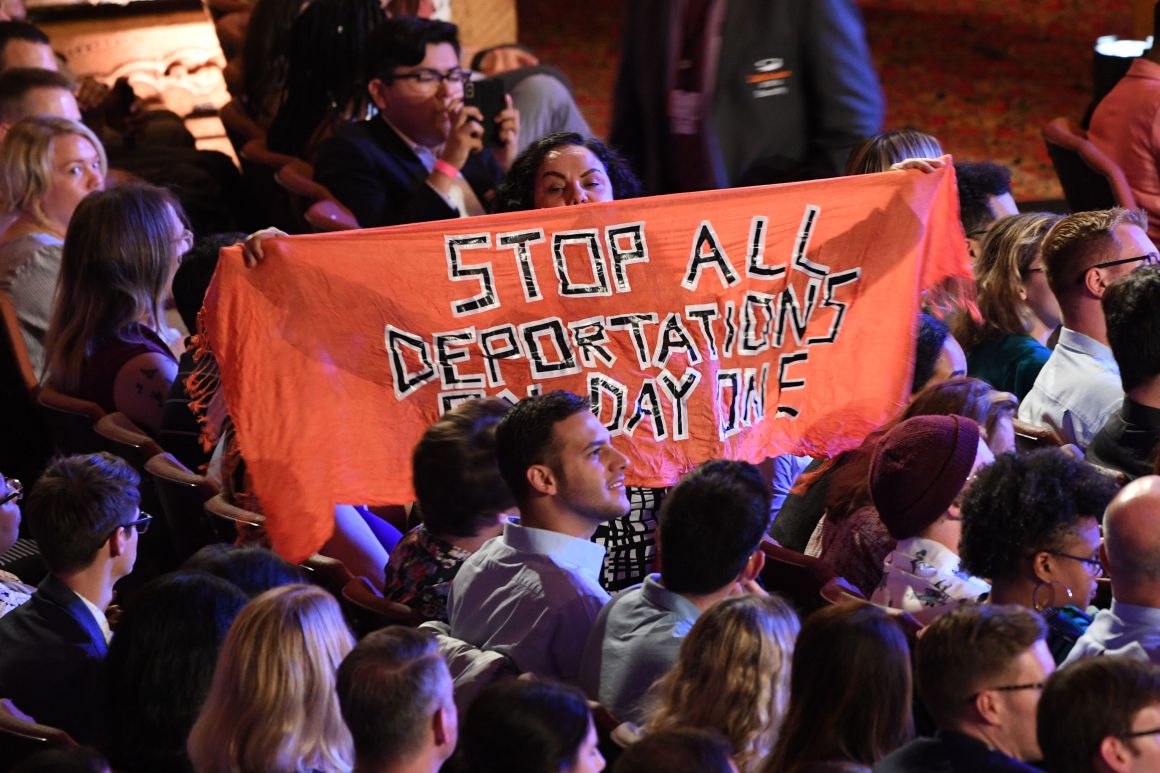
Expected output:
(1035, 602)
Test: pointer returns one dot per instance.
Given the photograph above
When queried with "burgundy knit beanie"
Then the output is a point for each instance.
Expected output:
(918, 469)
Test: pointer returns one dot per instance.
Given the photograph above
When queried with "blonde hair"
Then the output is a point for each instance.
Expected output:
(26, 161)
(732, 675)
(1080, 240)
(878, 153)
(115, 271)
(273, 705)
(1005, 255)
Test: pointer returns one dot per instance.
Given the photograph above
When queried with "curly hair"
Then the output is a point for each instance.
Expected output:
(517, 191)
(1021, 505)
(978, 182)
(732, 675)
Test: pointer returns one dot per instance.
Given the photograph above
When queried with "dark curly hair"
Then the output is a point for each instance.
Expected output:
(1021, 505)
(516, 193)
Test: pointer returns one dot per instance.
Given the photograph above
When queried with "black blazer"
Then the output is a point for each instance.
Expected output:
(51, 651)
(375, 174)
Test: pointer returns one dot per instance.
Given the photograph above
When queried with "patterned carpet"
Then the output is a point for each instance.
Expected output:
(982, 75)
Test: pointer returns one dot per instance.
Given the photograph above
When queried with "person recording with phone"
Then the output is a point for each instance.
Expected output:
(424, 156)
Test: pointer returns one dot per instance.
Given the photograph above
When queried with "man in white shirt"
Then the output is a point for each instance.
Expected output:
(1079, 387)
(84, 515)
(1131, 554)
(534, 592)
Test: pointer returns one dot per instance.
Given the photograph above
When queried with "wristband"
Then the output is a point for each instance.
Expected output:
(445, 168)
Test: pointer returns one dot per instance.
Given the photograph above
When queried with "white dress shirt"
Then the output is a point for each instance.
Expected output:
(1125, 629)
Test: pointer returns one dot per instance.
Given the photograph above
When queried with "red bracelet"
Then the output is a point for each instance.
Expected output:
(443, 167)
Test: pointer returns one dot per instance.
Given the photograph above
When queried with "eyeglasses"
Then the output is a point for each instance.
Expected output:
(14, 489)
(141, 524)
(1151, 259)
(1093, 565)
(1140, 733)
(427, 80)
(1011, 688)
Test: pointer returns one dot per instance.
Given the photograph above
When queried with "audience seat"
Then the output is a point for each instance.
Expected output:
(125, 439)
(798, 577)
(183, 494)
(19, 417)
(20, 739)
(240, 127)
(1030, 436)
(369, 611)
(1089, 178)
(328, 573)
(325, 212)
(218, 507)
(840, 591)
(259, 164)
(71, 422)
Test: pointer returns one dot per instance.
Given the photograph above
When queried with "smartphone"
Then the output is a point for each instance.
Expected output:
(487, 95)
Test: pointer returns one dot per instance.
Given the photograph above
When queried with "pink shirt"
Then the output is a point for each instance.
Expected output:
(1126, 127)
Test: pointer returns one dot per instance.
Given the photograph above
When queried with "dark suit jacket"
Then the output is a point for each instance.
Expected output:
(375, 174)
(950, 752)
(51, 651)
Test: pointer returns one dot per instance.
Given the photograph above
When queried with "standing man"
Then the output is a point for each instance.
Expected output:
(534, 593)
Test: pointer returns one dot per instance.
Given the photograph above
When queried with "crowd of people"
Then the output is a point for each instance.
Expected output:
(558, 618)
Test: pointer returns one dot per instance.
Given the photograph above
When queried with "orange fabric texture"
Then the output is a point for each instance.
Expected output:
(739, 323)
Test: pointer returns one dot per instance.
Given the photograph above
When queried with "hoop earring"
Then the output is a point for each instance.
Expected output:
(1035, 602)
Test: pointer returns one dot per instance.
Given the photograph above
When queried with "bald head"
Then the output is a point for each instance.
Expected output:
(1132, 542)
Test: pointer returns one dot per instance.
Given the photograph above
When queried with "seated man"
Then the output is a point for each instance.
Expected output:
(1127, 441)
(1131, 556)
(922, 574)
(83, 514)
(422, 158)
(533, 594)
(25, 45)
(979, 670)
(1079, 389)
(1101, 716)
(638, 634)
(28, 91)
(984, 197)
(395, 695)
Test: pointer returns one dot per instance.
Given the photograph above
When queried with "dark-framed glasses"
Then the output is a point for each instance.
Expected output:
(1140, 733)
(1011, 688)
(140, 523)
(1093, 565)
(428, 79)
(13, 491)
(1151, 259)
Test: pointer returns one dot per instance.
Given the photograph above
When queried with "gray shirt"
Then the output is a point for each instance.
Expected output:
(634, 642)
(29, 266)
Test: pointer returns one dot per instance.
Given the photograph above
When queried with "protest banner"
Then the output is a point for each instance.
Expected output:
(739, 323)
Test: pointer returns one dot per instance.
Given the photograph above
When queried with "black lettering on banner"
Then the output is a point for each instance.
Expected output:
(648, 403)
(507, 349)
(674, 335)
(589, 337)
(751, 344)
(587, 237)
(457, 272)
(787, 384)
(678, 392)
(754, 267)
(635, 323)
(805, 231)
(707, 252)
(598, 385)
(753, 403)
(635, 252)
(834, 281)
(448, 351)
(521, 241)
(799, 318)
(405, 381)
(449, 400)
(728, 396)
(552, 329)
(705, 313)
(730, 327)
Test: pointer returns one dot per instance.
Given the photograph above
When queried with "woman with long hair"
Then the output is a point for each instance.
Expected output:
(272, 705)
(1019, 311)
(732, 676)
(107, 341)
(850, 693)
(47, 165)
(563, 169)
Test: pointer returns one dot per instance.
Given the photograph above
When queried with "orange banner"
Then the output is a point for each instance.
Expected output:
(741, 323)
